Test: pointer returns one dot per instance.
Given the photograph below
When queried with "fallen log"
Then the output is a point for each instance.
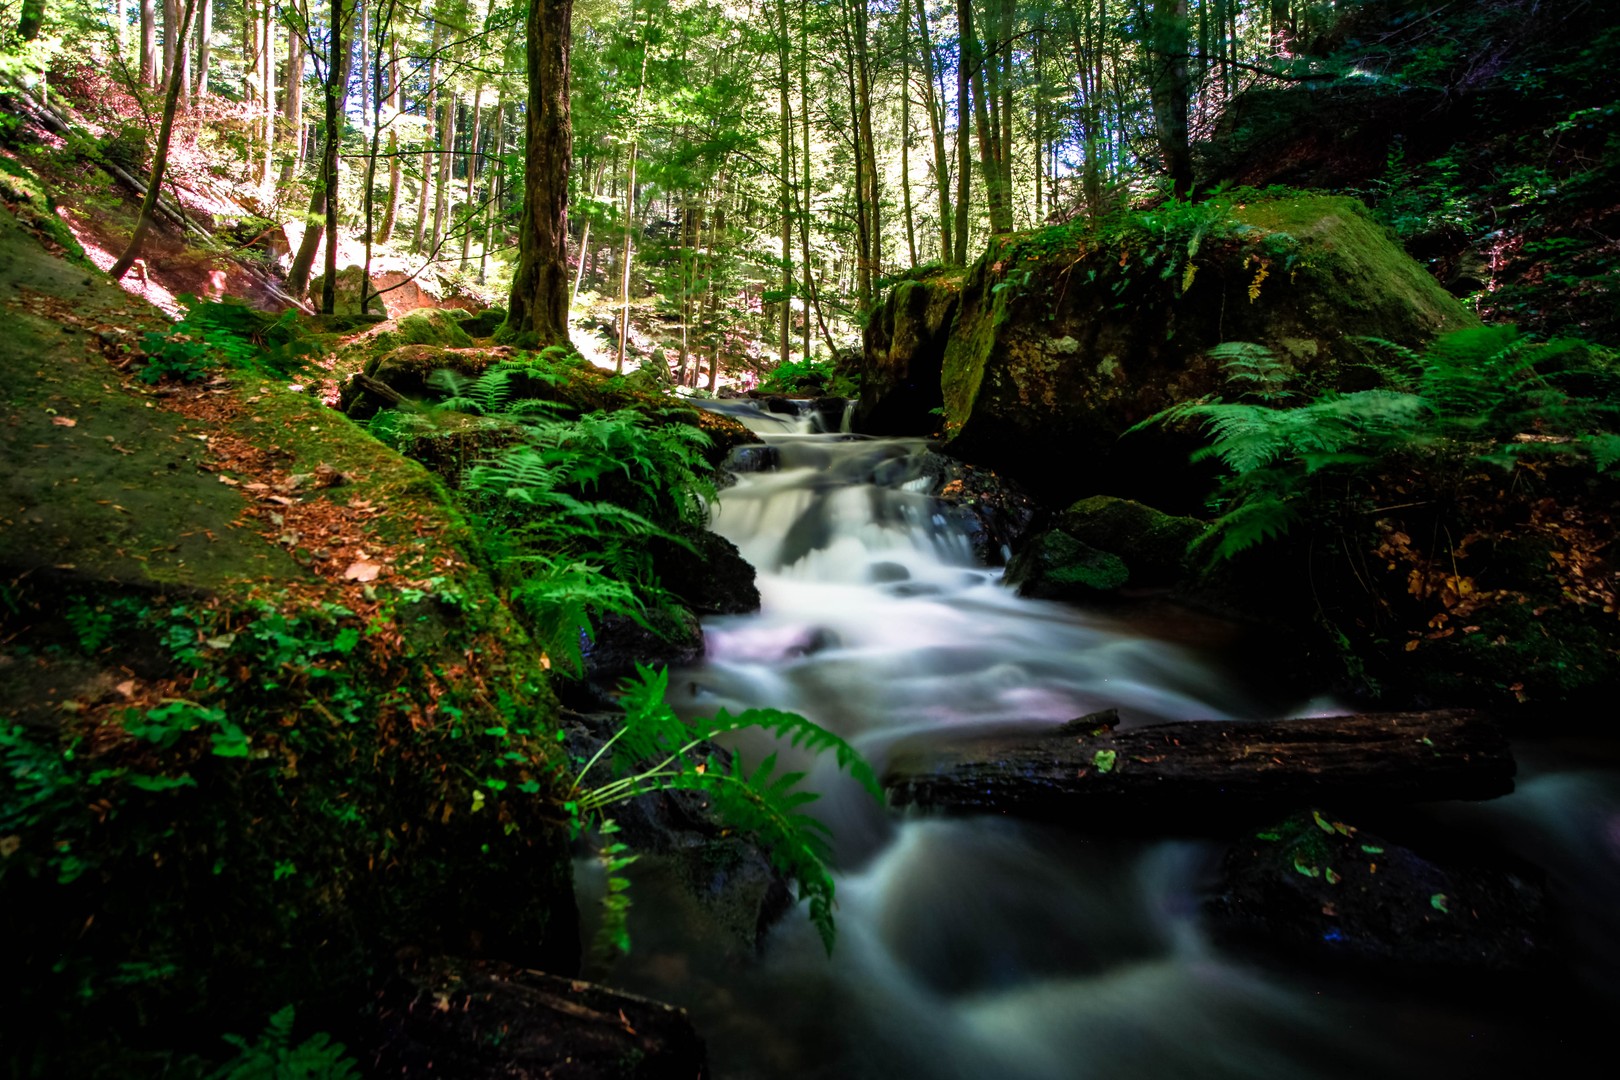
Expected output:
(1202, 773)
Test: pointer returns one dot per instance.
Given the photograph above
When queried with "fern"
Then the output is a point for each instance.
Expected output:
(273, 1056)
(1471, 395)
(656, 750)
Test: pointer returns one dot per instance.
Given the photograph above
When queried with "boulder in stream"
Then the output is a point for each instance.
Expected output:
(1066, 337)
(1314, 884)
(903, 351)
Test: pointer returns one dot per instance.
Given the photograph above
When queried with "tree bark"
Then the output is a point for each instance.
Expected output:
(785, 187)
(1171, 90)
(337, 85)
(538, 309)
(964, 21)
(630, 203)
(427, 140)
(205, 48)
(160, 160)
(936, 127)
(1194, 773)
(148, 42)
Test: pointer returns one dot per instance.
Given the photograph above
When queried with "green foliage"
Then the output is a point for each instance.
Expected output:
(1421, 198)
(806, 378)
(656, 750)
(569, 510)
(1485, 394)
(274, 1056)
(224, 334)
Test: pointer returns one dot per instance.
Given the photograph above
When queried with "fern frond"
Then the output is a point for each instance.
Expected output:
(798, 731)
(1252, 522)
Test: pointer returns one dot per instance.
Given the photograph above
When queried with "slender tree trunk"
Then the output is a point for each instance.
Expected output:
(427, 144)
(148, 42)
(447, 156)
(171, 20)
(785, 185)
(337, 84)
(499, 193)
(182, 60)
(160, 158)
(936, 127)
(964, 21)
(630, 202)
(472, 170)
(123, 28)
(267, 72)
(292, 105)
(538, 311)
(905, 140)
(585, 234)
(391, 210)
(205, 46)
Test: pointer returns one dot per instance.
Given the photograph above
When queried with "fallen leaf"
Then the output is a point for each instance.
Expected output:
(361, 571)
(63, 421)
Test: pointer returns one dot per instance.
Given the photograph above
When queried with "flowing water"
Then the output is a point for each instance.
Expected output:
(991, 948)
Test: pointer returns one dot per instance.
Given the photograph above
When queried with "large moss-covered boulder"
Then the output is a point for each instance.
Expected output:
(425, 326)
(1151, 543)
(1056, 566)
(1068, 337)
(903, 354)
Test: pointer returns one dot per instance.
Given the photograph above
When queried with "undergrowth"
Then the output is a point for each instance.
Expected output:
(225, 334)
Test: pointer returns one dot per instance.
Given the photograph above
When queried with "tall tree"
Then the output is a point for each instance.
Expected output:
(538, 310)
(160, 157)
(1171, 88)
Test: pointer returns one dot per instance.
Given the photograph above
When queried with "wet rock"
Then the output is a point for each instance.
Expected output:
(1056, 566)
(756, 458)
(732, 881)
(620, 643)
(710, 575)
(883, 572)
(1152, 544)
(903, 354)
(829, 412)
(996, 512)
(1316, 885)
(472, 1020)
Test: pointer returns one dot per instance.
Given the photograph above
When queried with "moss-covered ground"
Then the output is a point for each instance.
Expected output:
(267, 722)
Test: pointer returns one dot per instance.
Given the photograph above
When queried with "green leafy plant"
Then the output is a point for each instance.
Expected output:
(1480, 395)
(569, 510)
(224, 334)
(274, 1055)
(656, 750)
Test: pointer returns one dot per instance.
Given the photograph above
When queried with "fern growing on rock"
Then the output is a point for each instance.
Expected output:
(1478, 395)
(656, 750)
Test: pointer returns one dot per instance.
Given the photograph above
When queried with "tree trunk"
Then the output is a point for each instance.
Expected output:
(292, 105)
(447, 156)
(472, 171)
(785, 186)
(148, 42)
(267, 72)
(1200, 773)
(538, 311)
(936, 127)
(205, 48)
(905, 140)
(337, 84)
(171, 20)
(427, 140)
(160, 159)
(964, 21)
(1171, 90)
(630, 203)
(391, 211)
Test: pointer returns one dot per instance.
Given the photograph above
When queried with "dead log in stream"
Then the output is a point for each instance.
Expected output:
(1200, 774)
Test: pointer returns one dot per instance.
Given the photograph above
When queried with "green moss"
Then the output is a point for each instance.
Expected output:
(36, 209)
(1152, 543)
(425, 326)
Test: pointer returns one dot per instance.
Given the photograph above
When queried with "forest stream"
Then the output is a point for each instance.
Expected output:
(974, 947)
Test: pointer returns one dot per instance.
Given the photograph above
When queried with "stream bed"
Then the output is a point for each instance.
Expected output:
(974, 947)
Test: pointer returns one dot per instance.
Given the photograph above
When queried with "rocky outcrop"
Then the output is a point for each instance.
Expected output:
(1067, 337)
(1316, 885)
(904, 354)
(1056, 566)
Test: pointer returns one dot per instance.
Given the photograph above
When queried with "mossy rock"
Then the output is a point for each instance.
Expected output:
(1067, 337)
(424, 326)
(30, 200)
(346, 296)
(903, 354)
(1056, 566)
(1152, 543)
(485, 323)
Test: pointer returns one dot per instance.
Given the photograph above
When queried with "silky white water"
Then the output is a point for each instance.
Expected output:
(988, 948)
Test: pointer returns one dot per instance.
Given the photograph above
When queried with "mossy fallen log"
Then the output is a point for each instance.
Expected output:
(1201, 774)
